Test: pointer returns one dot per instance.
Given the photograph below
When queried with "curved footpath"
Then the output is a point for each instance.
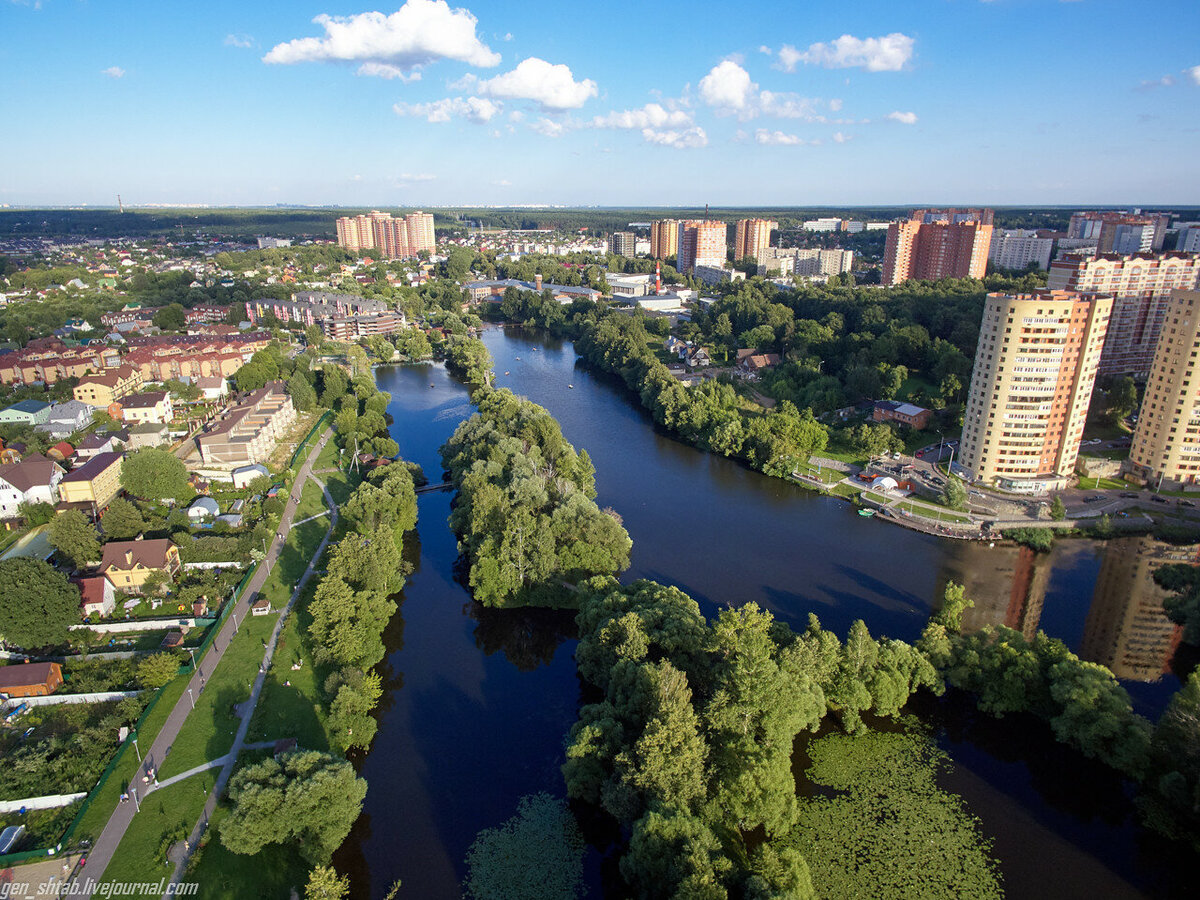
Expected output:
(102, 852)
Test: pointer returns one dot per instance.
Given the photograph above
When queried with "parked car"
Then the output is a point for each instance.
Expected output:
(1095, 498)
(1130, 495)
(1091, 441)
(1187, 503)
(1157, 499)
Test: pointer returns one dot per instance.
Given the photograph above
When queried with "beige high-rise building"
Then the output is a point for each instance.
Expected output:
(1166, 442)
(393, 238)
(1142, 285)
(624, 243)
(701, 243)
(1035, 367)
(752, 237)
(938, 243)
(664, 238)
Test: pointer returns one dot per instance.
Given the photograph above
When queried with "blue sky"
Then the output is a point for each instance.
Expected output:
(616, 103)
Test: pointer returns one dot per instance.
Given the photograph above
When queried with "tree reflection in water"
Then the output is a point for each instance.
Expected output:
(527, 636)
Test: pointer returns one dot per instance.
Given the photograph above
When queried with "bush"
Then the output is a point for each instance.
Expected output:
(1041, 539)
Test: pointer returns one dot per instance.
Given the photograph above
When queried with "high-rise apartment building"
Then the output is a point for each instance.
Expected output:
(1120, 232)
(1187, 237)
(1035, 367)
(701, 243)
(938, 243)
(752, 236)
(1166, 442)
(1141, 284)
(1017, 248)
(392, 238)
(664, 238)
(624, 243)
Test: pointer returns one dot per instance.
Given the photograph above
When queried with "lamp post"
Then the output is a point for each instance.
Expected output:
(193, 653)
(191, 698)
(136, 750)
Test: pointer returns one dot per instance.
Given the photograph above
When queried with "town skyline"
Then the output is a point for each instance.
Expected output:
(487, 104)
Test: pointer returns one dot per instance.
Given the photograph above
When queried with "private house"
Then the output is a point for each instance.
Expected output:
(248, 431)
(9, 454)
(127, 564)
(61, 451)
(66, 418)
(243, 475)
(754, 363)
(905, 413)
(147, 434)
(697, 357)
(212, 387)
(152, 406)
(96, 482)
(26, 412)
(34, 479)
(100, 442)
(30, 679)
(202, 508)
(111, 385)
(260, 607)
(97, 595)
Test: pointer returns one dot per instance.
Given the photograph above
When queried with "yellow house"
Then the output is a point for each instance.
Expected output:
(109, 386)
(97, 481)
(127, 564)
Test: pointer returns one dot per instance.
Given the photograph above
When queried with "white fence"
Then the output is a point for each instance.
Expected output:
(50, 801)
(139, 625)
(55, 699)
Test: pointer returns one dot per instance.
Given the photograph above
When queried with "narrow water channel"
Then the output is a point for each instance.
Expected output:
(477, 706)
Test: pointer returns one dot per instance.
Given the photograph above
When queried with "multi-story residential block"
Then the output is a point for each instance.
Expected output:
(752, 237)
(1141, 284)
(624, 243)
(394, 238)
(1187, 237)
(828, 223)
(206, 315)
(932, 243)
(104, 389)
(808, 262)
(701, 243)
(1017, 248)
(664, 238)
(1035, 366)
(1120, 232)
(340, 316)
(248, 431)
(1166, 442)
(95, 483)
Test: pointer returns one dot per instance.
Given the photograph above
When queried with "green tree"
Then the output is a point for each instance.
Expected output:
(122, 520)
(535, 855)
(155, 475)
(324, 883)
(1121, 399)
(303, 798)
(1058, 511)
(350, 720)
(157, 669)
(73, 535)
(170, 318)
(954, 494)
(334, 384)
(303, 396)
(37, 603)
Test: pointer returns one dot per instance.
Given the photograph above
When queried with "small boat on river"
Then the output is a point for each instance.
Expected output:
(866, 513)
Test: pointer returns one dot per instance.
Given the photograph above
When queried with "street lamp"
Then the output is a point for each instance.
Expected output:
(136, 750)
(193, 652)
(190, 697)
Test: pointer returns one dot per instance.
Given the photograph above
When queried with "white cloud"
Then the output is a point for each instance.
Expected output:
(889, 53)
(680, 139)
(1194, 74)
(904, 118)
(387, 70)
(786, 106)
(551, 86)
(781, 139)
(418, 33)
(243, 41)
(516, 116)
(548, 127)
(475, 109)
(503, 182)
(113, 72)
(652, 115)
(835, 105)
(423, 176)
(765, 50)
(728, 88)
(839, 138)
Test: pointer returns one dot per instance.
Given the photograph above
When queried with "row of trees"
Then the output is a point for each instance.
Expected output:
(526, 516)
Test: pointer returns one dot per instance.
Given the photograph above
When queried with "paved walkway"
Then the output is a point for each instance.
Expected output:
(102, 852)
(249, 706)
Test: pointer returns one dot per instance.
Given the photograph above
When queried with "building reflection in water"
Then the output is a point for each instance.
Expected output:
(1125, 628)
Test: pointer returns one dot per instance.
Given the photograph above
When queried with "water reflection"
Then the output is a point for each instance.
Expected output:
(528, 637)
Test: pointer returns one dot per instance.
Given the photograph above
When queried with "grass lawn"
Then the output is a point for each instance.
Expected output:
(173, 811)
(1110, 484)
(106, 798)
(932, 512)
(842, 454)
(1103, 430)
(341, 485)
(845, 490)
(912, 385)
(312, 501)
(823, 474)
(222, 874)
(208, 732)
(328, 457)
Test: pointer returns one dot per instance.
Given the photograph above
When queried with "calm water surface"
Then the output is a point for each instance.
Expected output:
(477, 706)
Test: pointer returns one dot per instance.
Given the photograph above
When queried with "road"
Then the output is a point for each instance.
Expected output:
(102, 852)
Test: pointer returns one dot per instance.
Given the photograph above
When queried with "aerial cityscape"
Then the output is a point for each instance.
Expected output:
(519, 451)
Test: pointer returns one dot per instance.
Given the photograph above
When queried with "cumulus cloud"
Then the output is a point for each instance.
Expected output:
(889, 53)
(835, 105)
(840, 138)
(787, 106)
(474, 109)
(780, 139)
(113, 72)
(652, 115)
(422, 176)
(680, 139)
(904, 118)
(242, 41)
(418, 33)
(728, 88)
(502, 182)
(548, 127)
(388, 71)
(551, 86)
(1194, 74)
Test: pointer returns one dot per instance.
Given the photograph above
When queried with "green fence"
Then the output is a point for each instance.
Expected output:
(320, 423)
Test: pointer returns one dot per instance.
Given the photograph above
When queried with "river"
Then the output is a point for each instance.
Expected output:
(476, 706)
